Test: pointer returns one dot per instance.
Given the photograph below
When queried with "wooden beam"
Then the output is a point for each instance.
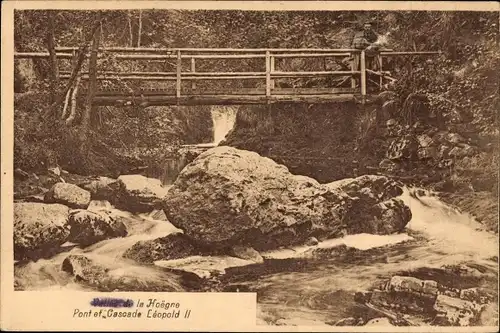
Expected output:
(32, 55)
(220, 76)
(381, 78)
(312, 55)
(363, 74)
(179, 71)
(231, 91)
(272, 69)
(171, 53)
(309, 74)
(210, 50)
(410, 53)
(193, 70)
(268, 74)
(221, 99)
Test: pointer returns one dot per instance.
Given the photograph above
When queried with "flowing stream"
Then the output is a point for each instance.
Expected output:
(290, 288)
(294, 289)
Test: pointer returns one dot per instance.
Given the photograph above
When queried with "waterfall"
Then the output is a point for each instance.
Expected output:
(223, 118)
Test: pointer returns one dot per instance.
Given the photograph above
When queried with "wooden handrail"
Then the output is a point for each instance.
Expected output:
(269, 75)
(211, 50)
(161, 76)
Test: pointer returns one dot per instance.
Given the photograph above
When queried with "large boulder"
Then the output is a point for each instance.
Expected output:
(138, 194)
(373, 206)
(68, 194)
(39, 229)
(89, 227)
(233, 197)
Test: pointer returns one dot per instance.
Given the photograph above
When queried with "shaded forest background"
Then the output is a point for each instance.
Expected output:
(461, 84)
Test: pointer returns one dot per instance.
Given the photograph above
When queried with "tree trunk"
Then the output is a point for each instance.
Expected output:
(80, 58)
(92, 81)
(54, 70)
(139, 29)
(130, 34)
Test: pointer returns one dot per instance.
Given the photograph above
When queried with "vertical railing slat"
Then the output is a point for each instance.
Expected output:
(353, 68)
(272, 70)
(179, 71)
(381, 78)
(193, 70)
(268, 73)
(363, 75)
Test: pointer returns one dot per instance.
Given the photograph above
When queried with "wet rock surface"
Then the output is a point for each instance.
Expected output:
(173, 246)
(39, 229)
(410, 300)
(107, 276)
(68, 194)
(137, 194)
(89, 227)
(372, 206)
(101, 188)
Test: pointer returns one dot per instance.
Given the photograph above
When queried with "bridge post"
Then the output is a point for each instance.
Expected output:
(381, 77)
(193, 69)
(363, 76)
(354, 65)
(178, 76)
(272, 71)
(268, 74)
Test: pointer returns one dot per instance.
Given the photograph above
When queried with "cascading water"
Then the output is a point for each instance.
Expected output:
(224, 118)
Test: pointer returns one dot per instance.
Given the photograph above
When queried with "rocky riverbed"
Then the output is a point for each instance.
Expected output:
(358, 251)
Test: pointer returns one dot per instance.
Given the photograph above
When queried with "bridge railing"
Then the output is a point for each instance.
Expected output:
(357, 72)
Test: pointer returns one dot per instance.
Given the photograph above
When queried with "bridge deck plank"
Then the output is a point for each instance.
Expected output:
(219, 99)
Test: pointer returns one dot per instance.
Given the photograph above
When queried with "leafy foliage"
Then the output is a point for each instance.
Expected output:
(461, 84)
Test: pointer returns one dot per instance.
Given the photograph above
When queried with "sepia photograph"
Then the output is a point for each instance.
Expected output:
(342, 165)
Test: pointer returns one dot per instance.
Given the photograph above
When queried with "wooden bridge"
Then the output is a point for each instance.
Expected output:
(184, 84)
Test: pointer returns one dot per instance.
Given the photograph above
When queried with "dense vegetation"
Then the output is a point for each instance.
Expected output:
(461, 85)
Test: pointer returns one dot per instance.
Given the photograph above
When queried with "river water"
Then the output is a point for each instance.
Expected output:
(291, 289)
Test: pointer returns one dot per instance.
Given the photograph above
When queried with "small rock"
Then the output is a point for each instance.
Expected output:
(349, 321)
(424, 140)
(99, 206)
(138, 194)
(69, 195)
(454, 138)
(158, 214)
(108, 276)
(55, 170)
(460, 152)
(405, 147)
(454, 311)
(413, 285)
(247, 253)
(311, 241)
(100, 189)
(173, 246)
(388, 165)
(474, 295)
(379, 322)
